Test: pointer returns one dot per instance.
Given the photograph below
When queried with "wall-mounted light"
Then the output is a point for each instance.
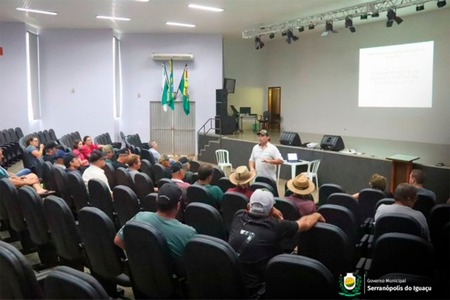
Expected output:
(258, 43)
(349, 24)
(392, 16)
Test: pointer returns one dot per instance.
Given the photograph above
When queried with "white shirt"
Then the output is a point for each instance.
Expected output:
(94, 172)
(268, 152)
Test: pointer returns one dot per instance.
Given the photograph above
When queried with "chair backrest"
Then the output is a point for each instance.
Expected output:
(152, 273)
(110, 174)
(144, 185)
(194, 166)
(222, 156)
(100, 197)
(198, 193)
(19, 132)
(148, 203)
(67, 283)
(342, 217)
(289, 276)
(52, 133)
(439, 217)
(77, 190)
(123, 177)
(163, 181)
(367, 201)
(287, 208)
(326, 189)
(160, 172)
(386, 201)
(266, 115)
(147, 168)
(31, 205)
(424, 204)
(48, 177)
(224, 183)
(396, 222)
(62, 185)
(262, 185)
(401, 252)
(231, 203)
(326, 242)
(205, 219)
(212, 267)
(17, 277)
(217, 174)
(64, 230)
(126, 203)
(10, 199)
(97, 233)
(270, 182)
(346, 201)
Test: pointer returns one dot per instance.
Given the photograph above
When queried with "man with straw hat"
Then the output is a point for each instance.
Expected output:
(241, 178)
(301, 186)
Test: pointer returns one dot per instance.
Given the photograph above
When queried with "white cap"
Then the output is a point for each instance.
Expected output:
(261, 202)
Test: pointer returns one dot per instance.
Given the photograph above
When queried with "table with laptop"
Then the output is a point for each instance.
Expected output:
(293, 161)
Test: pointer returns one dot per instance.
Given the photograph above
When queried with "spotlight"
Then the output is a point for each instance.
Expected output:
(291, 36)
(375, 14)
(272, 35)
(328, 28)
(258, 43)
(441, 3)
(311, 26)
(392, 16)
(420, 7)
(301, 29)
(283, 33)
(349, 24)
(364, 17)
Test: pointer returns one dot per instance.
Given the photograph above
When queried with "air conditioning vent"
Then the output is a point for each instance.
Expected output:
(168, 56)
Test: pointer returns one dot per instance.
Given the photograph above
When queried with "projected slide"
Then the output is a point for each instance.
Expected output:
(396, 76)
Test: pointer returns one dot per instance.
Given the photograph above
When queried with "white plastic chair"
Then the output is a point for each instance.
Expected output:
(223, 161)
(313, 167)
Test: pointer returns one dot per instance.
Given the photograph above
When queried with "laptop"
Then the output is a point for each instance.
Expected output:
(292, 157)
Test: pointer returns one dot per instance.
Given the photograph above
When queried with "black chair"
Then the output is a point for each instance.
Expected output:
(64, 232)
(262, 185)
(270, 182)
(385, 201)
(401, 253)
(148, 203)
(10, 202)
(152, 273)
(126, 203)
(328, 244)
(396, 222)
(439, 217)
(198, 193)
(224, 183)
(144, 185)
(163, 181)
(147, 168)
(212, 268)
(62, 186)
(287, 208)
(100, 197)
(77, 191)
(48, 176)
(160, 172)
(31, 205)
(110, 174)
(106, 259)
(346, 201)
(263, 120)
(367, 201)
(194, 166)
(231, 203)
(326, 189)
(19, 132)
(342, 218)
(217, 174)
(66, 283)
(424, 204)
(205, 219)
(17, 277)
(123, 177)
(290, 276)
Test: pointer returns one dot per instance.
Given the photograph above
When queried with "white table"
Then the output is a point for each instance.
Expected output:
(293, 165)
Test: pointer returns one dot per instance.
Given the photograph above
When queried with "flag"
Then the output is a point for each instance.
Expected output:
(183, 88)
(171, 99)
(165, 88)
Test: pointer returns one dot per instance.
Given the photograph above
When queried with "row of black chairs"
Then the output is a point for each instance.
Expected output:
(68, 140)
(105, 139)
(9, 142)
(133, 140)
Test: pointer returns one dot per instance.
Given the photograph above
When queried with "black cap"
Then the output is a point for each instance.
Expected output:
(68, 158)
(184, 160)
(170, 192)
(51, 144)
(177, 166)
(96, 155)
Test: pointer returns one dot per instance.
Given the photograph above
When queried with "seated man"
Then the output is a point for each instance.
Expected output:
(300, 186)
(72, 163)
(241, 178)
(95, 170)
(58, 159)
(134, 164)
(417, 178)
(153, 149)
(205, 173)
(30, 179)
(176, 233)
(122, 159)
(187, 168)
(405, 196)
(50, 149)
(164, 160)
(256, 234)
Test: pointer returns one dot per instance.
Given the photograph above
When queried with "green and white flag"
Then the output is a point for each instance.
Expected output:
(183, 87)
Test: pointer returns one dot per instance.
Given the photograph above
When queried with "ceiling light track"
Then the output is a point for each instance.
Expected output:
(372, 9)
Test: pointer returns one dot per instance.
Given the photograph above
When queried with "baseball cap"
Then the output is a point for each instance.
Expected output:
(261, 202)
(68, 158)
(96, 155)
(170, 192)
(263, 132)
(183, 160)
(51, 144)
(59, 154)
(163, 157)
(177, 166)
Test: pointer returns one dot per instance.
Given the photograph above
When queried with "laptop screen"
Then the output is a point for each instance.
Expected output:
(291, 157)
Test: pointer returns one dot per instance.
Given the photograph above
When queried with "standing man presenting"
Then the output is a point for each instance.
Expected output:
(265, 157)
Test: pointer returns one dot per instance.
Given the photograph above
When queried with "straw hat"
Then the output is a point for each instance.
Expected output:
(242, 175)
(301, 185)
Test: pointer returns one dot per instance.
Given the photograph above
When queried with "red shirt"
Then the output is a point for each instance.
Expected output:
(246, 191)
(86, 150)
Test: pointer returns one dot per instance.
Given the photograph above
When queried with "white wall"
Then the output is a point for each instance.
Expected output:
(319, 86)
